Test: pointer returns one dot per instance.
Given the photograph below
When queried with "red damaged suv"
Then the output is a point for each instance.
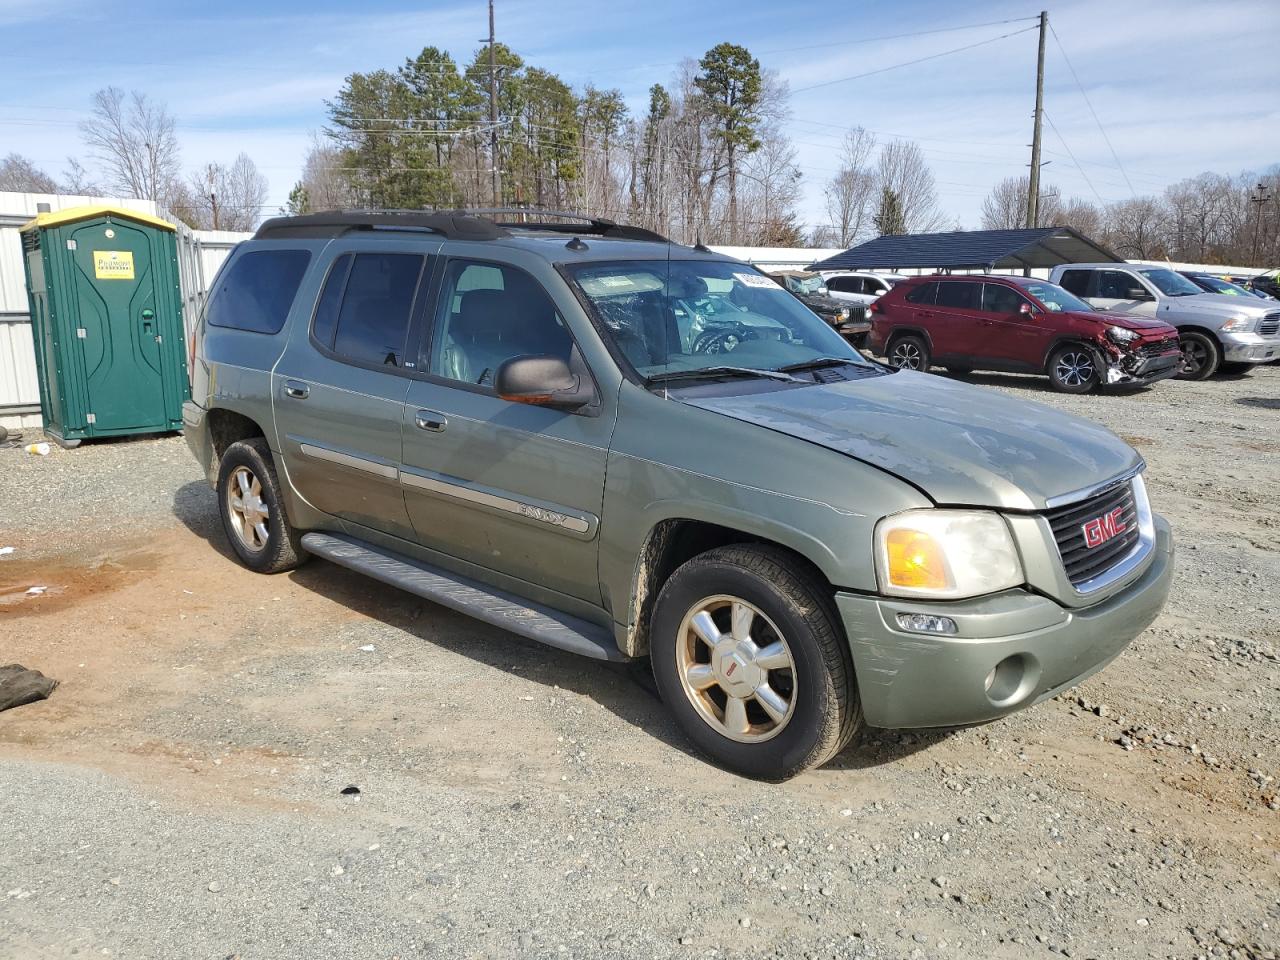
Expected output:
(1019, 325)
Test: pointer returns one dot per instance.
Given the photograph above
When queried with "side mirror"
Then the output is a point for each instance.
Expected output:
(1137, 293)
(1026, 310)
(542, 381)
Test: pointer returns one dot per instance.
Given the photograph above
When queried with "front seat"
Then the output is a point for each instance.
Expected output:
(476, 348)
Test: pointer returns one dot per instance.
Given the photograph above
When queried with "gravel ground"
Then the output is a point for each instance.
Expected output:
(181, 794)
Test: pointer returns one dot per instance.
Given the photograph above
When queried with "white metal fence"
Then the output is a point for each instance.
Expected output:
(200, 253)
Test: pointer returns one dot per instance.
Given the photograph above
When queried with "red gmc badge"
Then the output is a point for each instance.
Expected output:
(1101, 529)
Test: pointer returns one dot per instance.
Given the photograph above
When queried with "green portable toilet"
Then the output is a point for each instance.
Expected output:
(106, 314)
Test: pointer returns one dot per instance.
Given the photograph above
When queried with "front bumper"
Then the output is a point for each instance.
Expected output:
(1134, 370)
(1249, 348)
(1037, 648)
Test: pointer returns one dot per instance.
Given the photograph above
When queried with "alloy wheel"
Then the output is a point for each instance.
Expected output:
(906, 356)
(1194, 356)
(736, 669)
(1075, 368)
(249, 513)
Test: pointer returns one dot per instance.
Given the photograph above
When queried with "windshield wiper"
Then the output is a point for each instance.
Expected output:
(816, 363)
(722, 371)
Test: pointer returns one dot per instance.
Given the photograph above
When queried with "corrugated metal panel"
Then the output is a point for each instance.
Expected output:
(201, 253)
(17, 363)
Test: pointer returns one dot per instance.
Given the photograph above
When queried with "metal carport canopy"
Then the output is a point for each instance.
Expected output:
(972, 250)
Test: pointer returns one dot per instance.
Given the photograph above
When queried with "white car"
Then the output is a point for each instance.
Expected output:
(860, 288)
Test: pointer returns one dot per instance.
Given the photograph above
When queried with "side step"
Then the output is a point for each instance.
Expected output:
(468, 596)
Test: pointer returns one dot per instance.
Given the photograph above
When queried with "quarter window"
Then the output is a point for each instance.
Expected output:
(363, 312)
(258, 290)
(1116, 285)
(959, 294)
(1076, 281)
(491, 313)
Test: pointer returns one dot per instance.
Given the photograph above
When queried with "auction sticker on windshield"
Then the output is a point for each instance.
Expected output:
(755, 280)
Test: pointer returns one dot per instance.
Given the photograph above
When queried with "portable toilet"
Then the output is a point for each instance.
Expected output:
(106, 314)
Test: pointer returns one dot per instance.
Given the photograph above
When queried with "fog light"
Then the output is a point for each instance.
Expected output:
(926, 623)
(991, 678)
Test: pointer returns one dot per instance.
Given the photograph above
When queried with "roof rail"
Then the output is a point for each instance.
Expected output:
(544, 220)
(333, 223)
(470, 224)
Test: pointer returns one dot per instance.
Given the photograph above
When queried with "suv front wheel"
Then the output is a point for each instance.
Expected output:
(252, 510)
(750, 658)
(1074, 369)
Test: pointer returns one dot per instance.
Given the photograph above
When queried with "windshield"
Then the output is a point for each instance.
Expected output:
(1171, 284)
(681, 315)
(807, 284)
(1055, 298)
(1221, 286)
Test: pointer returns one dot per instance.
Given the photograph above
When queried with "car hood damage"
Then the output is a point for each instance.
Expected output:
(959, 444)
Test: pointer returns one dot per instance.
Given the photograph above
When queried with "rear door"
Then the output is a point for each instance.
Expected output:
(510, 487)
(959, 331)
(339, 388)
(1012, 337)
(848, 289)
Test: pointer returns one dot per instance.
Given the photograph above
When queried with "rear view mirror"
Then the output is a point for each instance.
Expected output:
(542, 381)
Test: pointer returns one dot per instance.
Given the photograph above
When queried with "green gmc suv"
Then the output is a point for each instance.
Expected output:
(623, 447)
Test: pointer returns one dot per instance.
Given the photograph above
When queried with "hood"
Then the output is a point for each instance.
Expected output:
(960, 444)
(822, 300)
(1129, 321)
(1214, 304)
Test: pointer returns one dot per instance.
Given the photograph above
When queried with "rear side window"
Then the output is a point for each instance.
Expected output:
(1077, 281)
(959, 294)
(925, 293)
(258, 290)
(363, 312)
(845, 284)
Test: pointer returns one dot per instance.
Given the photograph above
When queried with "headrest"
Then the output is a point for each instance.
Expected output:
(483, 313)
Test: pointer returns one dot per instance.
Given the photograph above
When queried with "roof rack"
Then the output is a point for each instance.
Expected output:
(470, 224)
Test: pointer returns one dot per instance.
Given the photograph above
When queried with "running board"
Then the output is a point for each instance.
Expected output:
(493, 606)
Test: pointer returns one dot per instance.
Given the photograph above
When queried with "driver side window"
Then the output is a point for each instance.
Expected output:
(489, 313)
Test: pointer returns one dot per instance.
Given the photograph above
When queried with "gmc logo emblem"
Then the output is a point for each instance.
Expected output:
(1101, 529)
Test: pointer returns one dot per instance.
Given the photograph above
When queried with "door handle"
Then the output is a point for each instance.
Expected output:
(296, 389)
(430, 420)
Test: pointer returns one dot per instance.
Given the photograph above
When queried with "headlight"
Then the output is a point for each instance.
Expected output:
(1121, 335)
(843, 313)
(945, 554)
(1237, 324)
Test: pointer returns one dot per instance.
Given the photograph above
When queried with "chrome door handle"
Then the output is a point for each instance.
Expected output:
(430, 420)
(296, 389)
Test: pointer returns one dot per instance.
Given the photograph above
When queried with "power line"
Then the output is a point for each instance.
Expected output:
(1101, 130)
(1054, 128)
(909, 63)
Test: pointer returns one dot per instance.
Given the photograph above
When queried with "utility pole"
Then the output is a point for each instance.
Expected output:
(1259, 198)
(213, 205)
(493, 111)
(1033, 186)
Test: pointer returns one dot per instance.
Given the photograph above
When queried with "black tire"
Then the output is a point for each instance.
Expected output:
(1074, 368)
(1235, 368)
(908, 351)
(825, 713)
(282, 549)
(1201, 355)
(958, 369)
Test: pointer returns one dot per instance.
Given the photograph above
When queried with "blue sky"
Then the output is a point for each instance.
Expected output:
(1180, 87)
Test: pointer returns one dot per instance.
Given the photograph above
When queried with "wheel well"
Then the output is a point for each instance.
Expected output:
(1070, 342)
(899, 332)
(670, 544)
(226, 427)
(1192, 328)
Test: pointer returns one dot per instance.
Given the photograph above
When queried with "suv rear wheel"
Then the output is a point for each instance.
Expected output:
(750, 658)
(252, 511)
(1200, 355)
(909, 352)
(1074, 369)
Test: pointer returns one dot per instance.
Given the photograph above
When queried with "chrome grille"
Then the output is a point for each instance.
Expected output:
(1080, 561)
(1270, 324)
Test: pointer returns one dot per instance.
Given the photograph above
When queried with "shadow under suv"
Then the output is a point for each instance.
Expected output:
(619, 446)
(1019, 325)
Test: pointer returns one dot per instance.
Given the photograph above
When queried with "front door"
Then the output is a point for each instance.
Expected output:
(513, 488)
(118, 331)
(339, 388)
(1013, 338)
(1122, 291)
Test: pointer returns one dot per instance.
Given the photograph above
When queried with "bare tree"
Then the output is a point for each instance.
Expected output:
(323, 180)
(20, 175)
(1005, 207)
(851, 192)
(1082, 217)
(1136, 228)
(133, 138)
(903, 171)
(227, 198)
(77, 181)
